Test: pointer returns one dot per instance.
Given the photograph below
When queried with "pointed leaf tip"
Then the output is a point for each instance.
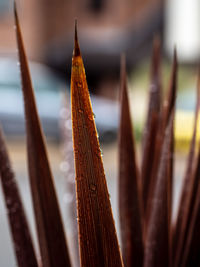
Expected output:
(76, 43)
(97, 235)
(51, 235)
(129, 197)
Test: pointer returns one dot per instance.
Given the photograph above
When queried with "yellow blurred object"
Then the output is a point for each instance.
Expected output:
(184, 125)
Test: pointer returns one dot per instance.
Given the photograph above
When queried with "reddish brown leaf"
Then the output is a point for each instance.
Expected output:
(21, 236)
(49, 224)
(129, 194)
(157, 238)
(97, 235)
(191, 256)
(168, 105)
(187, 194)
(150, 129)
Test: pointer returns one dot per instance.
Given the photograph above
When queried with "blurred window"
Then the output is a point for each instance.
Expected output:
(4, 5)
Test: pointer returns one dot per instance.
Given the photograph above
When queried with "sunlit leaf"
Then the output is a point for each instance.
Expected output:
(97, 235)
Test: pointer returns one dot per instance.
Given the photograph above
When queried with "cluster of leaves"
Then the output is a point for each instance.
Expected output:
(149, 238)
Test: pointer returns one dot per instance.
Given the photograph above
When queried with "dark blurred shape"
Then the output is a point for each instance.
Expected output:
(123, 26)
(96, 5)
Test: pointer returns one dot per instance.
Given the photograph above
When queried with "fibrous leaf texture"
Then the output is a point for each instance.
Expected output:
(97, 235)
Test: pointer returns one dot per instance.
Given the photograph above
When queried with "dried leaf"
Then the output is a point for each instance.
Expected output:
(48, 219)
(21, 236)
(151, 127)
(157, 238)
(97, 235)
(129, 194)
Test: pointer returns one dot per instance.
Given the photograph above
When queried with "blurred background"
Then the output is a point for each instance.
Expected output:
(106, 29)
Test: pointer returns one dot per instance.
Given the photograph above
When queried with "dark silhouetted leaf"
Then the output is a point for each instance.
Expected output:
(21, 236)
(191, 256)
(97, 235)
(150, 129)
(168, 105)
(51, 235)
(187, 194)
(157, 237)
(129, 194)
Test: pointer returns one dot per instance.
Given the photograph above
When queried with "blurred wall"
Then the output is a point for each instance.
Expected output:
(44, 21)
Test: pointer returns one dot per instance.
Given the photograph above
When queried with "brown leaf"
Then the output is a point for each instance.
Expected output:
(129, 194)
(48, 219)
(188, 193)
(191, 256)
(97, 235)
(170, 101)
(157, 238)
(21, 236)
(151, 127)
(168, 106)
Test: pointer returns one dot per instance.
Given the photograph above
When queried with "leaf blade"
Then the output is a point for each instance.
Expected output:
(129, 193)
(51, 235)
(157, 238)
(21, 235)
(97, 235)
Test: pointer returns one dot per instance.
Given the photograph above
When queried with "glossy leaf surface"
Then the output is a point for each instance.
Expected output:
(97, 235)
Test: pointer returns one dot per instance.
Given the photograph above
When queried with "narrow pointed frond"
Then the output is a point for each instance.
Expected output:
(188, 183)
(190, 256)
(51, 234)
(21, 236)
(151, 126)
(129, 192)
(168, 106)
(157, 237)
(188, 195)
(97, 235)
(170, 101)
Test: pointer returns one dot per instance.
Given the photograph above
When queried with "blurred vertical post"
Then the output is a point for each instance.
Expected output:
(182, 28)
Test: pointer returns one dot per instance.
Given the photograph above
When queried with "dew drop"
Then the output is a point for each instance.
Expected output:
(79, 84)
(93, 187)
